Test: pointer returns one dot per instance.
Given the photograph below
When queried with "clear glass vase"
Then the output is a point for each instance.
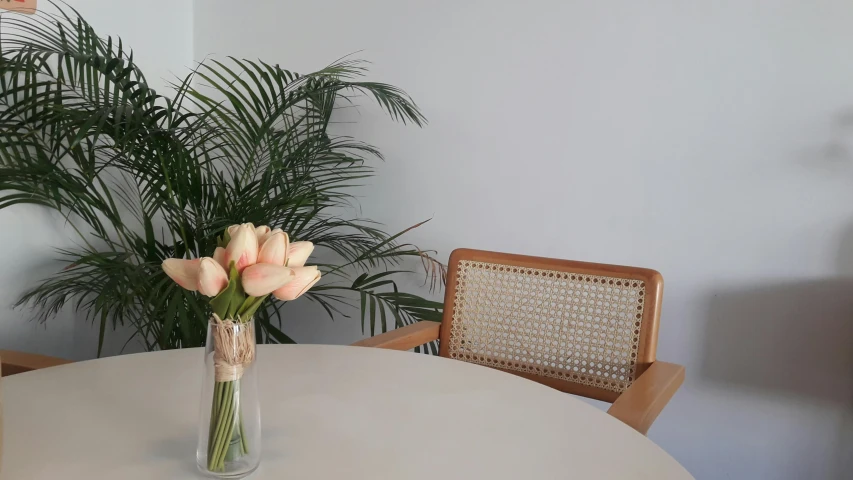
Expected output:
(229, 434)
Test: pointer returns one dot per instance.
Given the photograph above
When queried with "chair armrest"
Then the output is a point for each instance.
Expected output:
(641, 404)
(20, 362)
(403, 338)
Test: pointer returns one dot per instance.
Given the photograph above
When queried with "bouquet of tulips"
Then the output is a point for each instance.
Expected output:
(249, 264)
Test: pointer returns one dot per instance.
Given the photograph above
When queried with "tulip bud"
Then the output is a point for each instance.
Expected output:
(262, 278)
(219, 256)
(183, 272)
(298, 253)
(267, 235)
(243, 247)
(233, 228)
(212, 278)
(304, 279)
(274, 250)
(261, 232)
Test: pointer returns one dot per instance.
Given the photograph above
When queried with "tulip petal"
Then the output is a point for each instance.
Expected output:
(212, 278)
(274, 250)
(243, 247)
(233, 228)
(262, 278)
(261, 232)
(267, 235)
(219, 256)
(183, 272)
(298, 253)
(305, 278)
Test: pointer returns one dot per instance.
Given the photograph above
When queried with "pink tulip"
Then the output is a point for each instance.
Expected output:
(267, 235)
(232, 229)
(261, 233)
(262, 278)
(298, 253)
(183, 272)
(274, 250)
(305, 278)
(212, 278)
(219, 256)
(243, 247)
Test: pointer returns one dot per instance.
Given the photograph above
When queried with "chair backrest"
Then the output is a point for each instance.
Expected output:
(584, 328)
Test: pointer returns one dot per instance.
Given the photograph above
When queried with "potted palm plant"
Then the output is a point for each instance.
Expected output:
(144, 176)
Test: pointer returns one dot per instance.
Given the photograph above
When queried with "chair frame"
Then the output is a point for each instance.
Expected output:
(12, 362)
(655, 382)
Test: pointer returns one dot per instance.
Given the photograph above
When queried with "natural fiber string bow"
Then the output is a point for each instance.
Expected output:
(234, 349)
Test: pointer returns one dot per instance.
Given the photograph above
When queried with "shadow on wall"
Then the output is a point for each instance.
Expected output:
(793, 338)
(836, 155)
(789, 339)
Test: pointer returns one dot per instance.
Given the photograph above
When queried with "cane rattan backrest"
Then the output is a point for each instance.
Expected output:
(583, 328)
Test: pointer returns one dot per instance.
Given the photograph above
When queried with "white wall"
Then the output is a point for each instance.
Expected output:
(712, 141)
(709, 140)
(162, 43)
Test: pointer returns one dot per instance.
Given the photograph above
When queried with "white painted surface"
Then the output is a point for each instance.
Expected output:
(709, 140)
(328, 413)
(161, 39)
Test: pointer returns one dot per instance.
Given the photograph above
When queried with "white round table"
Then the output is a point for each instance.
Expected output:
(328, 412)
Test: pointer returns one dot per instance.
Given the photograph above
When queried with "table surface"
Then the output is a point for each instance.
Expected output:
(328, 412)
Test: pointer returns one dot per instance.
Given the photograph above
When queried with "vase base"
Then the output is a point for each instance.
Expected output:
(228, 475)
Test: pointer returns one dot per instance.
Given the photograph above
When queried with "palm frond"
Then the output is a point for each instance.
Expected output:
(145, 176)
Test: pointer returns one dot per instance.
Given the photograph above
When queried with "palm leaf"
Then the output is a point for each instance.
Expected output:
(143, 176)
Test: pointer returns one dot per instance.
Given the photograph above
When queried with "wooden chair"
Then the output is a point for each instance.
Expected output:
(20, 362)
(583, 328)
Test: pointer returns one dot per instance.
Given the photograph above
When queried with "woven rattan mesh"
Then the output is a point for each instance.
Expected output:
(569, 326)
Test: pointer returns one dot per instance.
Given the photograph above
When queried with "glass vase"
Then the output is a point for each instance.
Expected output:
(229, 434)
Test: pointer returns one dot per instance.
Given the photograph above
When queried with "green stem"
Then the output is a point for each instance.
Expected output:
(228, 424)
(211, 448)
(229, 431)
(214, 414)
(244, 446)
(219, 441)
(235, 445)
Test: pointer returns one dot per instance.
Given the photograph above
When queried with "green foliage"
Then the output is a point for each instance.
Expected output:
(143, 177)
(232, 302)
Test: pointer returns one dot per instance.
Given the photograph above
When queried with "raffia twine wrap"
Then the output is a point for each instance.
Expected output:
(233, 348)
